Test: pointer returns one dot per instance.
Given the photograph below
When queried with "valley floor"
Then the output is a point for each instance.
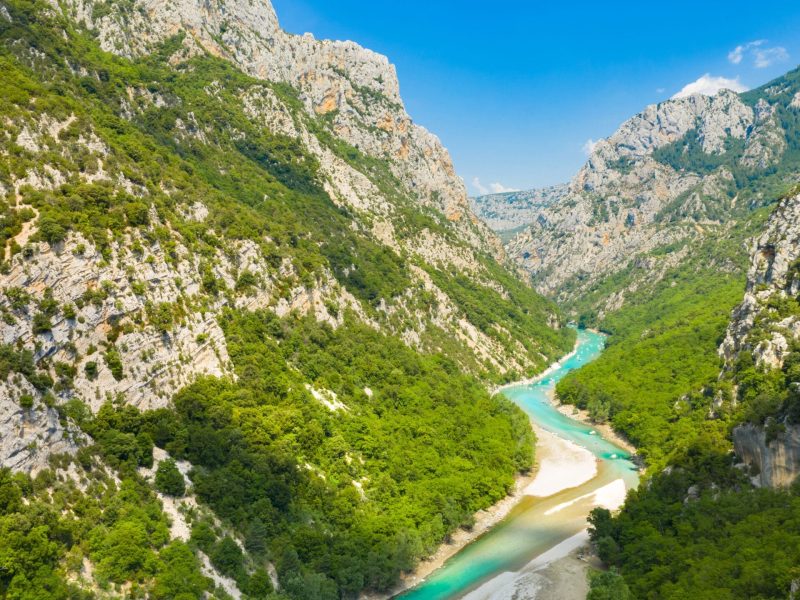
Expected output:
(560, 465)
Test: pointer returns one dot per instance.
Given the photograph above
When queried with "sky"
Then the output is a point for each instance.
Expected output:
(518, 91)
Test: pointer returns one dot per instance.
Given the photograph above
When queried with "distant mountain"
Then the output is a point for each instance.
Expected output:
(680, 172)
(511, 210)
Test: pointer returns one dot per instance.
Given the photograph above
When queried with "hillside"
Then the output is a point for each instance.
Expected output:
(715, 523)
(679, 238)
(248, 318)
(678, 173)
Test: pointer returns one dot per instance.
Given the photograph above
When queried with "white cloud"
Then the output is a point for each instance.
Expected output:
(762, 56)
(589, 146)
(736, 55)
(660, 90)
(499, 188)
(710, 85)
(481, 189)
(767, 56)
(494, 188)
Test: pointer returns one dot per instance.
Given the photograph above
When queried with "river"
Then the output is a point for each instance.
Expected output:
(536, 525)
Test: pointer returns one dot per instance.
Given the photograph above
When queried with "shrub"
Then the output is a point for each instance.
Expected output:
(169, 479)
(114, 362)
(90, 368)
(26, 401)
(41, 323)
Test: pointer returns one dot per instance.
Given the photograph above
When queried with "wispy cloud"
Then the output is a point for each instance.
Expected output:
(479, 187)
(710, 86)
(589, 146)
(499, 188)
(768, 56)
(493, 188)
(762, 55)
(736, 55)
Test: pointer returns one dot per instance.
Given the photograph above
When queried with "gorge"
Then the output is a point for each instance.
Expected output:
(252, 329)
(554, 506)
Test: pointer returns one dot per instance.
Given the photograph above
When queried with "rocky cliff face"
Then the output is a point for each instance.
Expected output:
(129, 308)
(667, 177)
(774, 463)
(765, 323)
(355, 90)
(766, 326)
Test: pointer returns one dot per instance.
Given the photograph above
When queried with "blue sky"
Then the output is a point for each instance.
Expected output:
(516, 89)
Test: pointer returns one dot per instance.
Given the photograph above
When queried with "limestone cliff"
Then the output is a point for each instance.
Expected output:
(354, 89)
(766, 326)
(774, 463)
(510, 210)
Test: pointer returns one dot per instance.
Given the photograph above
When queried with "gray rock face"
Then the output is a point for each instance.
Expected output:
(773, 278)
(777, 464)
(30, 435)
(510, 210)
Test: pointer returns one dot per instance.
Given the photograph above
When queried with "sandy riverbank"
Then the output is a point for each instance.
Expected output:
(604, 429)
(562, 572)
(560, 465)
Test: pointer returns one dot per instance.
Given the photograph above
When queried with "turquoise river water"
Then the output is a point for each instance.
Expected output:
(532, 528)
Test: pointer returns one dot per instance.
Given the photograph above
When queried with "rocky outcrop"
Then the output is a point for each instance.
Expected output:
(773, 464)
(765, 324)
(30, 431)
(774, 275)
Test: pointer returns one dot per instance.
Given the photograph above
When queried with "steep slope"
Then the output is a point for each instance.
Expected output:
(233, 244)
(684, 198)
(353, 90)
(714, 524)
(211, 163)
(762, 352)
(650, 244)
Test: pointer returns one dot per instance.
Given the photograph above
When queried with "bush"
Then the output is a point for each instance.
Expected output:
(41, 323)
(169, 479)
(90, 368)
(114, 363)
(608, 585)
(227, 557)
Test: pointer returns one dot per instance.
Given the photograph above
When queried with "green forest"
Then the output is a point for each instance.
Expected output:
(344, 496)
(330, 460)
(698, 530)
